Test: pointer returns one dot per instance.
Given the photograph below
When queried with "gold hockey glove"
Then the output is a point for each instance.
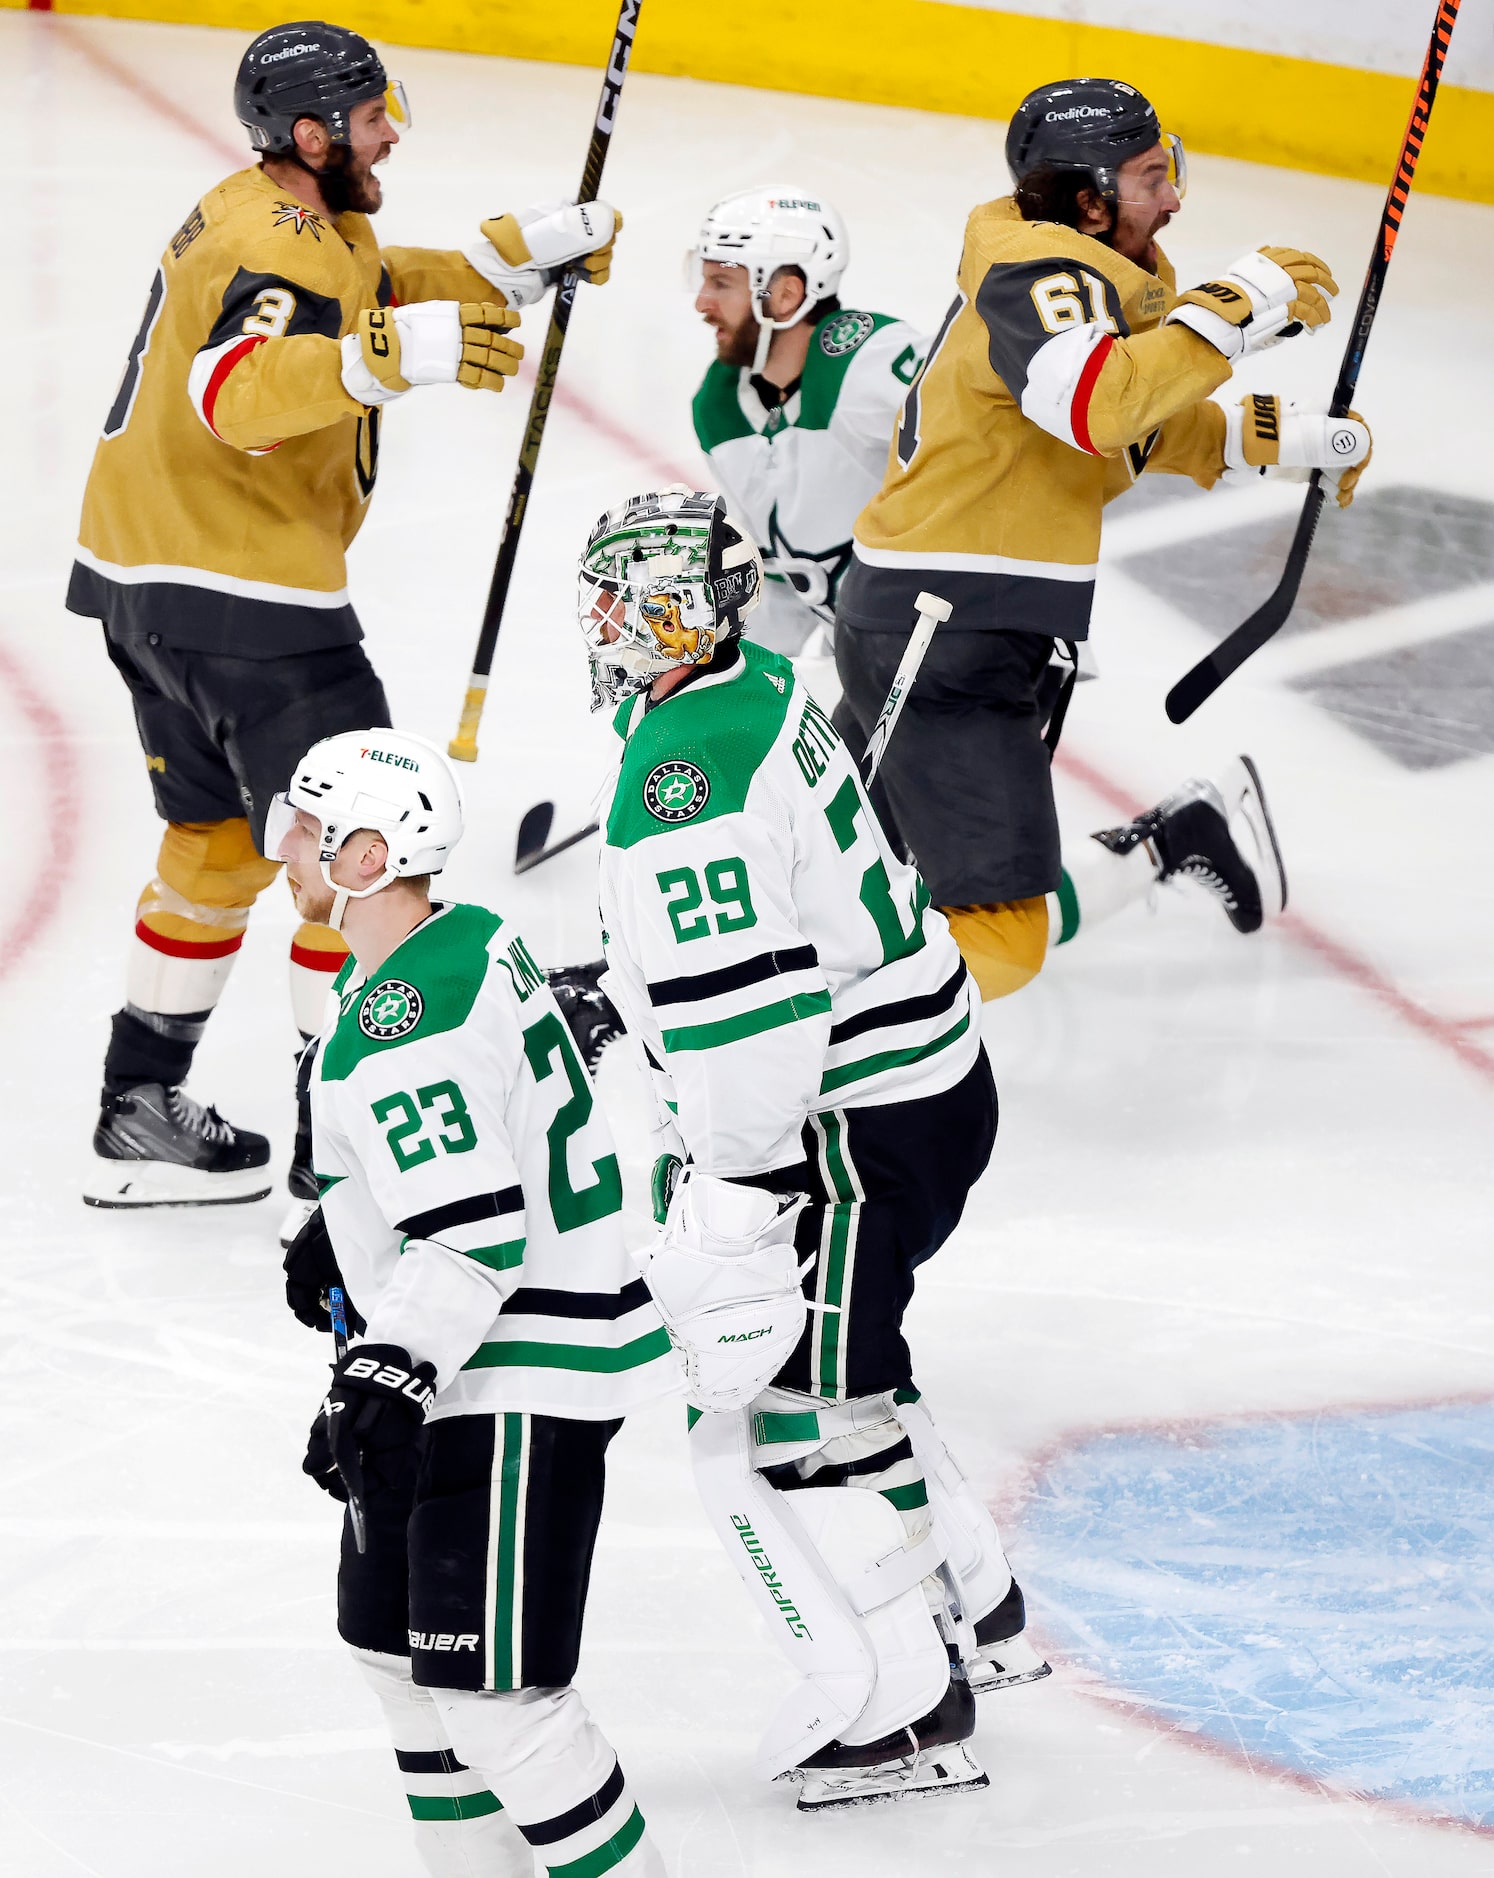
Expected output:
(1268, 436)
(433, 342)
(1265, 297)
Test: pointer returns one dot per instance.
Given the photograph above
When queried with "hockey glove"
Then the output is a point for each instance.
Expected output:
(376, 1406)
(310, 1269)
(1264, 436)
(524, 255)
(1265, 297)
(433, 342)
(725, 1277)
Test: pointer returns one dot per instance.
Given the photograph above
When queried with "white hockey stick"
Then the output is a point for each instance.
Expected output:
(932, 611)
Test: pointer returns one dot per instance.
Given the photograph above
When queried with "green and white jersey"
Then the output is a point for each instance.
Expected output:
(469, 1182)
(798, 474)
(764, 942)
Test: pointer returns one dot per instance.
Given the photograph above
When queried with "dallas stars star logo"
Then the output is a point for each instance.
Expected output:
(815, 575)
(298, 216)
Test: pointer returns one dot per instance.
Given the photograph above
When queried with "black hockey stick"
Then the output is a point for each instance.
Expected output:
(534, 832)
(1230, 654)
(337, 1310)
(464, 745)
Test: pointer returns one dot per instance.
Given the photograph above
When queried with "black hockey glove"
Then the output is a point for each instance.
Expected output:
(310, 1269)
(375, 1407)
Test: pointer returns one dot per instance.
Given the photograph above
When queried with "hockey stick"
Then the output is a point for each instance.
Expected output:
(464, 745)
(931, 612)
(337, 1310)
(1195, 686)
(530, 850)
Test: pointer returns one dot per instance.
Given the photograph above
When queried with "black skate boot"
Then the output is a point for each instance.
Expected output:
(301, 1180)
(155, 1146)
(1003, 1656)
(927, 1756)
(586, 1008)
(1192, 836)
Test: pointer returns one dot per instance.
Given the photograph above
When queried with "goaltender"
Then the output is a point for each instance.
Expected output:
(235, 467)
(1066, 365)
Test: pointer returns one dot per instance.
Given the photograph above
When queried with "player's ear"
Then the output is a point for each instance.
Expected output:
(311, 137)
(373, 856)
(786, 293)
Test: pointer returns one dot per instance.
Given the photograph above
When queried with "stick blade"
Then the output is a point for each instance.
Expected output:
(534, 832)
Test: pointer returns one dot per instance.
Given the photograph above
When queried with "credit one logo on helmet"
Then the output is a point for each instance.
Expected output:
(1077, 110)
(391, 1009)
(675, 791)
(290, 52)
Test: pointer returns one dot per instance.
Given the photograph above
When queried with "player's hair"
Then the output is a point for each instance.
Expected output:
(1052, 195)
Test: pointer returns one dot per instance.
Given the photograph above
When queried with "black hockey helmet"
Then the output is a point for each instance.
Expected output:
(1086, 124)
(309, 69)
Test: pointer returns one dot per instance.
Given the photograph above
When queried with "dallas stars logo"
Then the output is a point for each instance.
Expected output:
(392, 1009)
(675, 791)
(815, 575)
(298, 216)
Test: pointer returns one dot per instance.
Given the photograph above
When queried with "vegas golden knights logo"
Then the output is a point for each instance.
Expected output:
(366, 452)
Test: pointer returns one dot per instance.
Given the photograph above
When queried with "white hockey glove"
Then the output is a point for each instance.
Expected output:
(1267, 296)
(725, 1277)
(1265, 436)
(524, 255)
(433, 342)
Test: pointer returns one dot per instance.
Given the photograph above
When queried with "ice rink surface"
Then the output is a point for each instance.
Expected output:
(1217, 1335)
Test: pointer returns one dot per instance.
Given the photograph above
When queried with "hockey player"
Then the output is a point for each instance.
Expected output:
(815, 1045)
(235, 466)
(473, 1203)
(795, 412)
(1065, 366)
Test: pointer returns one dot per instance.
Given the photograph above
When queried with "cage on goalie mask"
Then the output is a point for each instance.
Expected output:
(666, 579)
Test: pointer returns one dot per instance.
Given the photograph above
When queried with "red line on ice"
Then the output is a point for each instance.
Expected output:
(1338, 957)
(63, 816)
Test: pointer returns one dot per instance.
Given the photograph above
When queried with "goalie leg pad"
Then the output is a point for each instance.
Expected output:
(833, 1572)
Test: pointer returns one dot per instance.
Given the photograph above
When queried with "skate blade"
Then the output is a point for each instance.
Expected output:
(296, 1216)
(937, 1770)
(984, 1678)
(124, 1184)
(1245, 796)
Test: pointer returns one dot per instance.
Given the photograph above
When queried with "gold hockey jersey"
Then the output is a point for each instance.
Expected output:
(234, 470)
(1049, 388)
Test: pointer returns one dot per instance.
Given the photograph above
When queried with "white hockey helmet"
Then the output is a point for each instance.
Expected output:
(670, 576)
(388, 780)
(765, 229)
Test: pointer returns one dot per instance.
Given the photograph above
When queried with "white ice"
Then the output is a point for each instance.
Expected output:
(1233, 1175)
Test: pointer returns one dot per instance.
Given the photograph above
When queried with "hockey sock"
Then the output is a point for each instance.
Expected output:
(879, 1458)
(316, 956)
(557, 1777)
(1003, 945)
(461, 1830)
(189, 925)
(1096, 883)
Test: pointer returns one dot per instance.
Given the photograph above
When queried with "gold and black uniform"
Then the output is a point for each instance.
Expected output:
(1050, 386)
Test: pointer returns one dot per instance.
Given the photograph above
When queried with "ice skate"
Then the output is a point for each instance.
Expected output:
(930, 1755)
(1004, 1657)
(589, 1013)
(155, 1146)
(1192, 835)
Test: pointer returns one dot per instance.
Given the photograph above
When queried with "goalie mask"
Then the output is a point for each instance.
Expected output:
(767, 229)
(665, 580)
(396, 784)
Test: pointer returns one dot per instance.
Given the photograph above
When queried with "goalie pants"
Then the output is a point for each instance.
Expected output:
(479, 1551)
(887, 1186)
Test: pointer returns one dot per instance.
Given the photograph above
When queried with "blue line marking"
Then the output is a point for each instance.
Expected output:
(1316, 1591)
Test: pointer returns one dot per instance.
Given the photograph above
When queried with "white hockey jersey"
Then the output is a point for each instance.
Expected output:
(764, 942)
(469, 1184)
(798, 474)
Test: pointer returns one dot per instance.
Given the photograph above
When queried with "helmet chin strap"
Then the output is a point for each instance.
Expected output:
(341, 895)
(766, 327)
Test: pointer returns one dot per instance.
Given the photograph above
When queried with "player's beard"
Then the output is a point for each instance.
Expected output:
(348, 184)
(737, 345)
(312, 898)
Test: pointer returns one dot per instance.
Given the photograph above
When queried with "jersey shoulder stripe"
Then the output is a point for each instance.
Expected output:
(717, 410)
(427, 985)
(694, 757)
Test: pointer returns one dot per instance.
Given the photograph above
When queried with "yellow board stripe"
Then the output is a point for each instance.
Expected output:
(1299, 113)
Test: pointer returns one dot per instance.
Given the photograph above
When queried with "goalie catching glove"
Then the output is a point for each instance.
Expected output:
(524, 255)
(725, 1277)
(1267, 436)
(1265, 297)
(433, 342)
(376, 1405)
